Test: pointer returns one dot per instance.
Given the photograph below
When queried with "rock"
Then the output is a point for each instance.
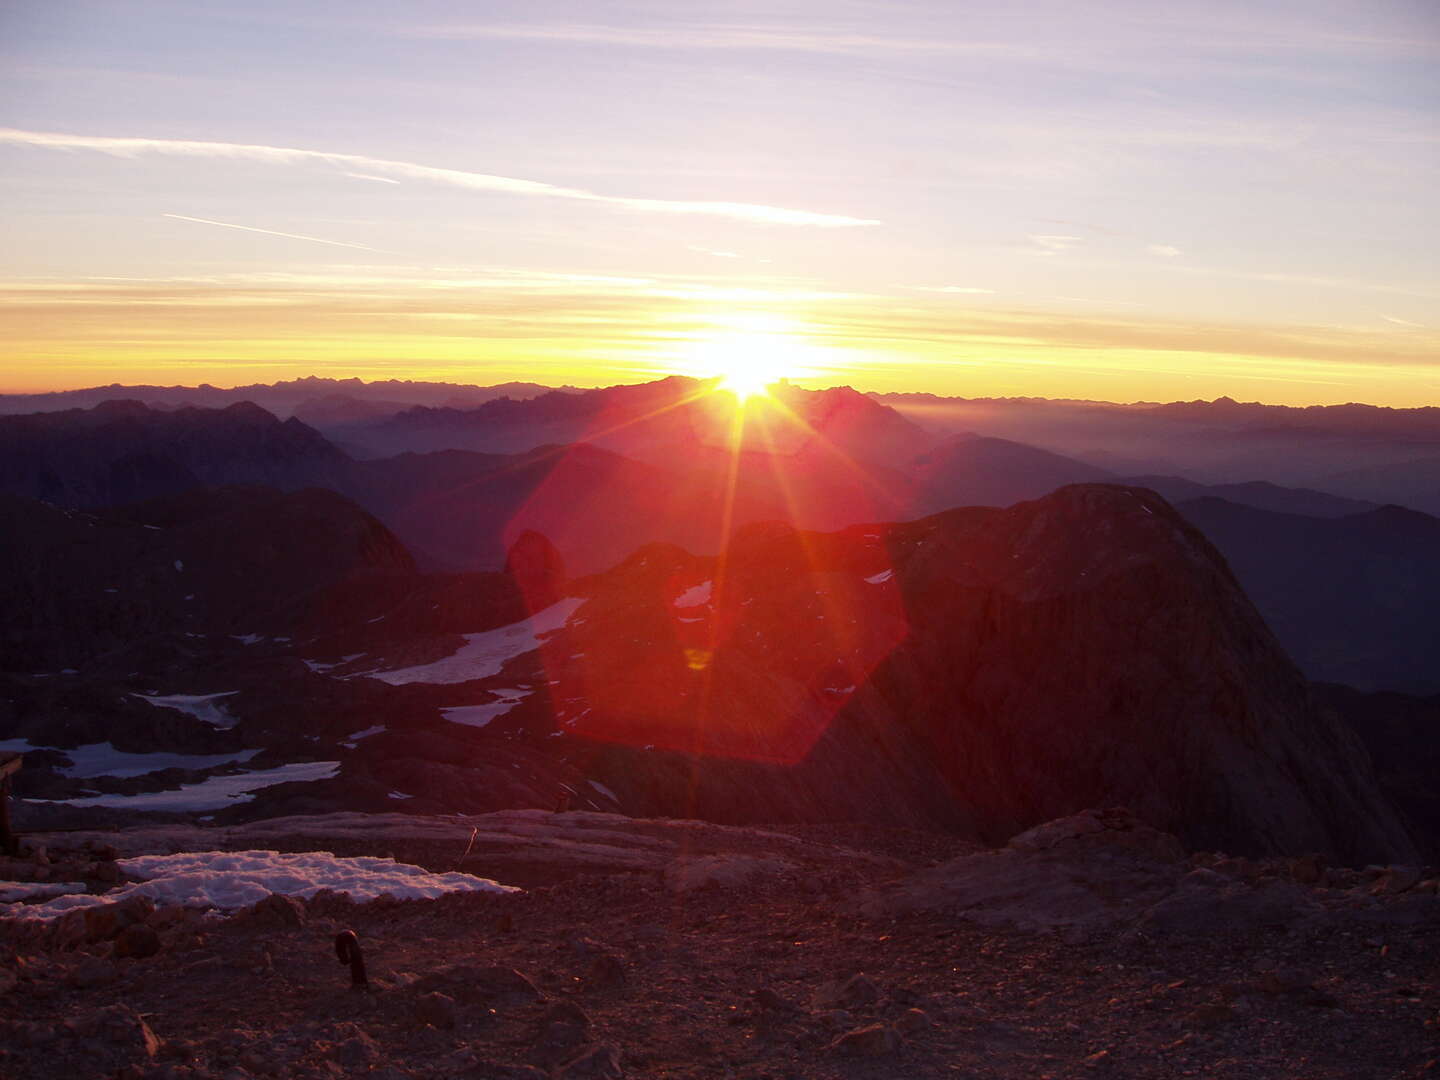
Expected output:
(1284, 981)
(607, 971)
(598, 1061)
(494, 1070)
(437, 1010)
(499, 983)
(851, 993)
(1236, 908)
(94, 971)
(8, 981)
(136, 942)
(1210, 1015)
(872, 1041)
(769, 999)
(279, 911)
(69, 929)
(1397, 879)
(107, 872)
(722, 871)
(1307, 869)
(913, 1020)
(105, 921)
(358, 1050)
(122, 1032)
(563, 1029)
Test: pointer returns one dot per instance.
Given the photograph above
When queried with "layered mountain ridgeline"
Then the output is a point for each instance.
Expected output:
(345, 399)
(982, 669)
(1358, 451)
(1351, 602)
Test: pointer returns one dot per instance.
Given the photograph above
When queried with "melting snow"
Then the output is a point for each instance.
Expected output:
(10, 891)
(695, 595)
(248, 639)
(317, 665)
(213, 793)
(230, 880)
(179, 566)
(598, 786)
(480, 715)
(880, 578)
(200, 706)
(102, 759)
(483, 655)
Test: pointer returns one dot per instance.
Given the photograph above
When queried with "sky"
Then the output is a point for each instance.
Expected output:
(1110, 199)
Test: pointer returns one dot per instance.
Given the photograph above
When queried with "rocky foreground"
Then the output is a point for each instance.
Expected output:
(1089, 946)
(1093, 946)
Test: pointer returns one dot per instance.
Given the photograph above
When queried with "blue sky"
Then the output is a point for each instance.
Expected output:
(1112, 200)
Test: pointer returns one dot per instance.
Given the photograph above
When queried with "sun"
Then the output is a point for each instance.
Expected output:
(748, 360)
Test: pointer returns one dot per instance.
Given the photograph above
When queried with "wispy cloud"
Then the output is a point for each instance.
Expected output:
(1167, 251)
(367, 176)
(1050, 243)
(271, 232)
(951, 289)
(774, 37)
(1402, 322)
(281, 155)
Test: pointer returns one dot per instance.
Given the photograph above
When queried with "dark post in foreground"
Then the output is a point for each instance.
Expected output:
(10, 763)
(347, 948)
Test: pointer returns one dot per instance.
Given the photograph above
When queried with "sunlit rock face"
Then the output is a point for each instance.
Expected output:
(991, 669)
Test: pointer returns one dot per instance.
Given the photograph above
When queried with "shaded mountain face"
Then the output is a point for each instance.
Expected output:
(123, 451)
(1402, 734)
(989, 668)
(77, 585)
(1259, 494)
(1353, 599)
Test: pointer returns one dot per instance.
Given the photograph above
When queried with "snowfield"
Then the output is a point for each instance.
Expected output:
(102, 759)
(205, 707)
(480, 715)
(230, 880)
(213, 793)
(483, 655)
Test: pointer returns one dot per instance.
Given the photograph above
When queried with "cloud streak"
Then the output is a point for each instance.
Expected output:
(755, 213)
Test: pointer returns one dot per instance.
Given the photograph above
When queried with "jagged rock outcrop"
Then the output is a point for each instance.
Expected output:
(1088, 648)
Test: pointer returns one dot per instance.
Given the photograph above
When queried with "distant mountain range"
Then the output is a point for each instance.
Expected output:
(1351, 598)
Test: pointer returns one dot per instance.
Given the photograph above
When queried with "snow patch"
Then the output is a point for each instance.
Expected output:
(213, 793)
(230, 880)
(598, 786)
(248, 639)
(102, 759)
(695, 595)
(480, 715)
(200, 706)
(880, 578)
(11, 891)
(483, 655)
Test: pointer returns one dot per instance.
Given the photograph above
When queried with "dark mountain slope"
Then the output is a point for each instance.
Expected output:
(1354, 600)
(123, 451)
(232, 560)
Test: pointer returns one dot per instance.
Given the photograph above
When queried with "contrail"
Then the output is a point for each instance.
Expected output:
(273, 232)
